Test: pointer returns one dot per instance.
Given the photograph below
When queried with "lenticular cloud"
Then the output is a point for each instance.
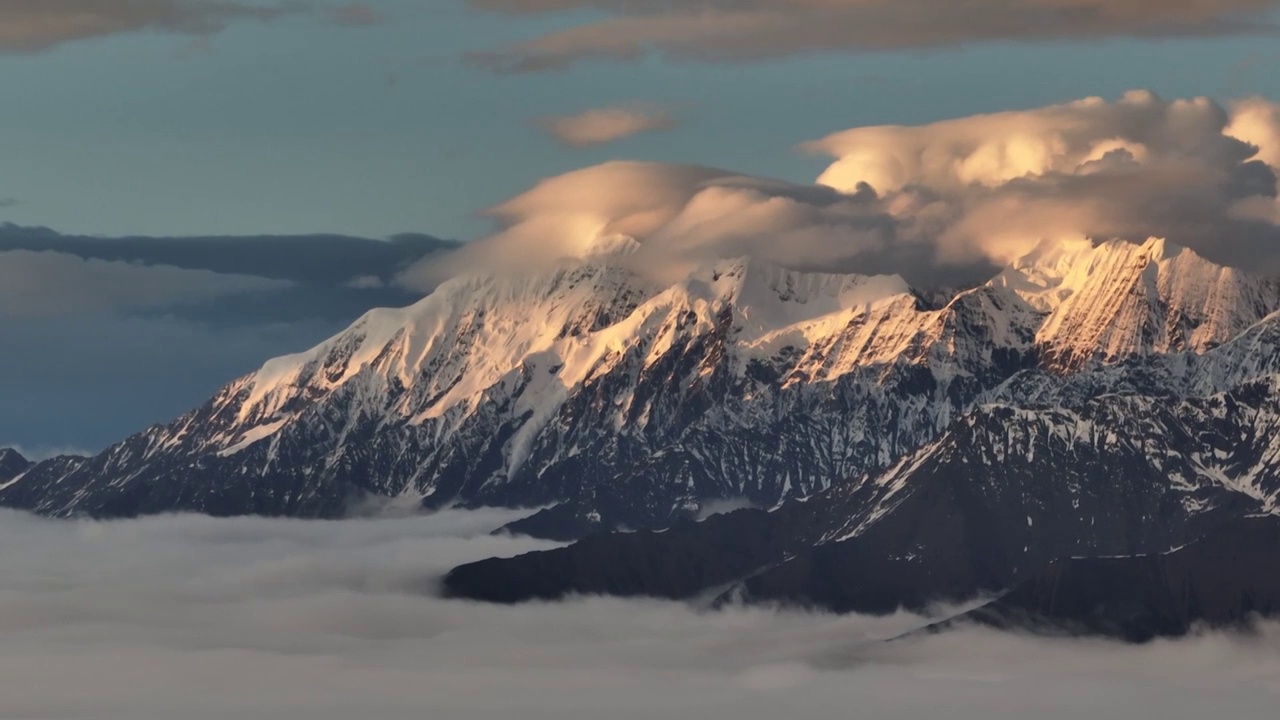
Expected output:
(601, 126)
(932, 202)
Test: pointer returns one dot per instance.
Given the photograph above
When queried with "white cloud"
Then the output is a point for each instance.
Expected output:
(602, 126)
(1138, 167)
(365, 282)
(992, 150)
(736, 30)
(566, 217)
(928, 201)
(1257, 121)
(200, 618)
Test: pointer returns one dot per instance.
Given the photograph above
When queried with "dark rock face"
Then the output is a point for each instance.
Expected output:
(678, 563)
(1003, 493)
(1227, 579)
(12, 464)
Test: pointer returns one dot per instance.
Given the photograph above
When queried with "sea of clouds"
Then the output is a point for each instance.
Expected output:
(191, 617)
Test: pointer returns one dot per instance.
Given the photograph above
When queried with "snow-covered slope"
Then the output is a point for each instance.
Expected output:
(625, 402)
(1121, 300)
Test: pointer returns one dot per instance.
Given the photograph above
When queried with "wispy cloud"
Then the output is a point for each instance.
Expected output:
(28, 26)
(601, 126)
(36, 454)
(735, 30)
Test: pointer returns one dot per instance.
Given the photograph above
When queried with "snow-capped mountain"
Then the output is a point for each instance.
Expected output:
(620, 401)
(1121, 300)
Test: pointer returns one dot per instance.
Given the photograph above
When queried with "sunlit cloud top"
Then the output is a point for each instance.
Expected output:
(932, 200)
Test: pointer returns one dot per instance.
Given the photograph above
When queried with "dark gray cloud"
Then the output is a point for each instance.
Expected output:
(318, 272)
(737, 30)
(200, 618)
(110, 335)
(35, 25)
(53, 284)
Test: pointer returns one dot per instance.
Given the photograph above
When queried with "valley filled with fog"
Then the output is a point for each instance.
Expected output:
(191, 617)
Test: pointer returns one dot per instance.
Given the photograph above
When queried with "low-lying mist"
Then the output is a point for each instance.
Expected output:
(190, 617)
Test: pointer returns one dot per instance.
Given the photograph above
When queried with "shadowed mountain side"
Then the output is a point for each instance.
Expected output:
(1004, 492)
(675, 564)
(12, 464)
(1228, 579)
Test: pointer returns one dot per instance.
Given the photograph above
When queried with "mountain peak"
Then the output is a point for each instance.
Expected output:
(12, 464)
(610, 245)
(1159, 249)
(1118, 300)
(790, 296)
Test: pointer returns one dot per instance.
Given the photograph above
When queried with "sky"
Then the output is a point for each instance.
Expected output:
(340, 139)
(200, 618)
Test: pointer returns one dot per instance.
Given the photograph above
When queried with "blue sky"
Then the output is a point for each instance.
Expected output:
(305, 126)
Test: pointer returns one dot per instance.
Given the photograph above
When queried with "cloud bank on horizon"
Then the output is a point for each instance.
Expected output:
(52, 284)
(933, 202)
(744, 30)
(199, 618)
(113, 334)
(28, 26)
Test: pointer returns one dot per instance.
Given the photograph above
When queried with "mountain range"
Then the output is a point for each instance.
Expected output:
(896, 446)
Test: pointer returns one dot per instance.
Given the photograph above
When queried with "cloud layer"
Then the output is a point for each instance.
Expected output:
(118, 333)
(734, 30)
(35, 25)
(938, 202)
(602, 126)
(53, 284)
(200, 618)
